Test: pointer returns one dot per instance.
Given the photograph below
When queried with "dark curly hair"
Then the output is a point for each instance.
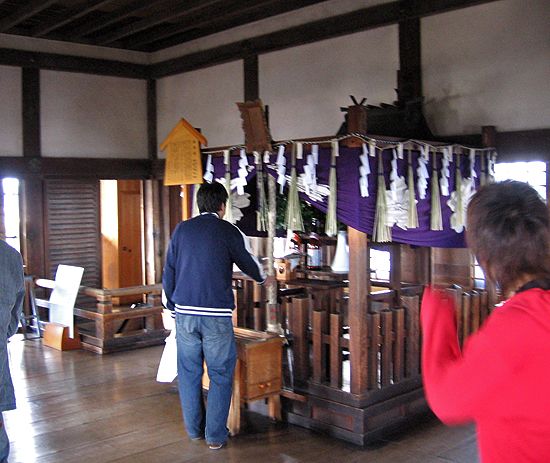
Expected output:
(211, 196)
(508, 231)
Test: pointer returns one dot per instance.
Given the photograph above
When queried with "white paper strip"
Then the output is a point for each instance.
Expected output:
(209, 170)
(422, 173)
(299, 151)
(364, 171)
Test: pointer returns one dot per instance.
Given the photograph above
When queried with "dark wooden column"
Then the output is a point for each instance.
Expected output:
(152, 144)
(251, 78)
(409, 85)
(359, 289)
(31, 112)
(32, 237)
(32, 226)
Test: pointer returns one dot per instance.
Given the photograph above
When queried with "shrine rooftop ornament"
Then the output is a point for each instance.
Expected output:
(183, 157)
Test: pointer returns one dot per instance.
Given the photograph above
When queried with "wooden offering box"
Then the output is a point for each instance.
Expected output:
(260, 359)
(258, 374)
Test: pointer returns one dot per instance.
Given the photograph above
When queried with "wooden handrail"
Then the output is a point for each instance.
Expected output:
(116, 292)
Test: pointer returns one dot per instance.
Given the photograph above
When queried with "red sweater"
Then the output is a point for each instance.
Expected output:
(500, 380)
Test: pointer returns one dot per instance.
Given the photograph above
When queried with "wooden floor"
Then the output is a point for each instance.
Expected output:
(81, 407)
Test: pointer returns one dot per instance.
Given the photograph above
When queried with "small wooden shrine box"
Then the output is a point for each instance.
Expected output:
(258, 374)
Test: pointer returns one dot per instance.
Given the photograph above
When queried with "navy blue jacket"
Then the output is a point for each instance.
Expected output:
(197, 278)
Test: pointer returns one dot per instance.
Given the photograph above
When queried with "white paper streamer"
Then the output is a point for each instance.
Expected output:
(394, 176)
(299, 151)
(397, 203)
(422, 172)
(459, 203)
(372, 148)
(400, 150)
(445, 172)
(209, 169)
(281, 168)
(473, 173)
(364, 171)
(242, 172)
(309, 177)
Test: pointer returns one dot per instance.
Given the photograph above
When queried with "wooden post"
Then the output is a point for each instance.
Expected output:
(33, 226)
(359, 289)
(298, 321)
(273, 313)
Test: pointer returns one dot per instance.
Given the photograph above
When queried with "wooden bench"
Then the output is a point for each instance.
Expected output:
(122, 327)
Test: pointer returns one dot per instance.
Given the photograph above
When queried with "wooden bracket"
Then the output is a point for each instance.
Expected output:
(57, 337)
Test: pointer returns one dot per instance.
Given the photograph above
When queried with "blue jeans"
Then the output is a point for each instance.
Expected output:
(4, 442)
(210, 339)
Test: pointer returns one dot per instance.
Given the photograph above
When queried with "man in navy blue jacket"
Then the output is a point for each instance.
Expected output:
(197, 282)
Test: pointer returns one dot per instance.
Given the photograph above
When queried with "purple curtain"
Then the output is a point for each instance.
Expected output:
(358, 212)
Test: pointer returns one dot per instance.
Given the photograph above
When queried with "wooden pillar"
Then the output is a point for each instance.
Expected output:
(359, 289)
(32, 226)
(31, 112)
(409, 76)
(273, 309)
(251, 79)
(415, 264)
(152, 144)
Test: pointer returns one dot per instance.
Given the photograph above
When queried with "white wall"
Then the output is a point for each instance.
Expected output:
(488, 65)
(11, 135)
(206, 99)
(306, 86)
(92, 116)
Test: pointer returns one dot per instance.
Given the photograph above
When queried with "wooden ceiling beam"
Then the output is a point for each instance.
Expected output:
(177, 10)
(24, 12)
(56, 62)
(132, 9)
(68, 16)
(336, 26)
(211, 21)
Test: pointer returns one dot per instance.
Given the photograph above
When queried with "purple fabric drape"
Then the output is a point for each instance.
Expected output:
(358, 212)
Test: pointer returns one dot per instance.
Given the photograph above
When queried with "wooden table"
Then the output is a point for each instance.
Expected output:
(258, 374)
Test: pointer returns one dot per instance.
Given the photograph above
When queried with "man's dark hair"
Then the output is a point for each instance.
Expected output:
(508, 231)
(211, 196)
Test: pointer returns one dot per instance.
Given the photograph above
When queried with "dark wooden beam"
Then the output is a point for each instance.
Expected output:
(410, 68)
(210, 21)
(251, 78)
(23, 12)
(131, 9)
(152, 119)
(348, 23)
(67, 17)
(31, 112)
(170, 13)
(512, 146)
(57, 62)
(99, 168)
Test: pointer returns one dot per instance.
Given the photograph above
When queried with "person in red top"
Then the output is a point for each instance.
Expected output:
(500, 380)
